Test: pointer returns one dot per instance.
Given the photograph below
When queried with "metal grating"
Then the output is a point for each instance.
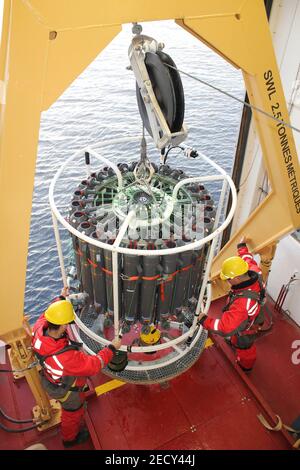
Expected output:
(161, 374)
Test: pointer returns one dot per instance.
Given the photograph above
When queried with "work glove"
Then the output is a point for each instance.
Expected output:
(202, 319)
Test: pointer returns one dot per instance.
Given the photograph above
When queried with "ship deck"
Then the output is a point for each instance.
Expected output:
(213, 405)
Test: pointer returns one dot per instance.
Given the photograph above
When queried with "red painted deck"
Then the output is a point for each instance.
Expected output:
(208, 407)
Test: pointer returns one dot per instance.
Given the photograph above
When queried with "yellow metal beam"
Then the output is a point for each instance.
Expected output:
(267, 223)
(92, 13)
(23, 65)
(47, 43)
(253, 52)
(247, 42)
(76, 49)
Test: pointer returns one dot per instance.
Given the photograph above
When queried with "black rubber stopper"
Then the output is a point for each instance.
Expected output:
(87, 158)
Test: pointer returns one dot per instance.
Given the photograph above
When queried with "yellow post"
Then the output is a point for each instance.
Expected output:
(21, 357)
(266, 258)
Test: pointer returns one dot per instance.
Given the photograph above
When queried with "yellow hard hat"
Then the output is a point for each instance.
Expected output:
(150, 335)
(60, 312)
(233, 267)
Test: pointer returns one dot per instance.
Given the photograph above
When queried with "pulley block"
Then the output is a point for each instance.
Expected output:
(168, 90)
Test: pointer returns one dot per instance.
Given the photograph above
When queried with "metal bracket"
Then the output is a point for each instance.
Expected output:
(46, 422)
(162, 136)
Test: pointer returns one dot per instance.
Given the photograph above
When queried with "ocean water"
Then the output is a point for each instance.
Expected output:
(101, 104)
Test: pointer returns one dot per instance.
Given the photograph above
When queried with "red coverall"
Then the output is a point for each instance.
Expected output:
(66, 365)
(241, 314)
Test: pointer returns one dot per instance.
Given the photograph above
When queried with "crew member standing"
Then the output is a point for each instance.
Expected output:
(241, 317)
(66, 367)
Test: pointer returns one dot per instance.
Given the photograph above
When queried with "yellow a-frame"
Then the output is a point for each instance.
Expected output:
(46, 44)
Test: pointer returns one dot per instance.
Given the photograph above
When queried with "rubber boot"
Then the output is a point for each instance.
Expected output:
(81, 437)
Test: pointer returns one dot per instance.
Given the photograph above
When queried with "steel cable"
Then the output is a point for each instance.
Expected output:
(251, 106)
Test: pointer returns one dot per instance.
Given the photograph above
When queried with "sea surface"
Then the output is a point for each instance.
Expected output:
(101, 105)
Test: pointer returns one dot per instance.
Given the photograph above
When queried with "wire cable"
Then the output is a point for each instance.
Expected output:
(30, 366)
(268, 320)
(5, 428)
(168, 151)
(13, 420)
(251, 106)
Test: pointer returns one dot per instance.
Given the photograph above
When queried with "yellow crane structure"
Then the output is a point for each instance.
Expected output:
(46, 44)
